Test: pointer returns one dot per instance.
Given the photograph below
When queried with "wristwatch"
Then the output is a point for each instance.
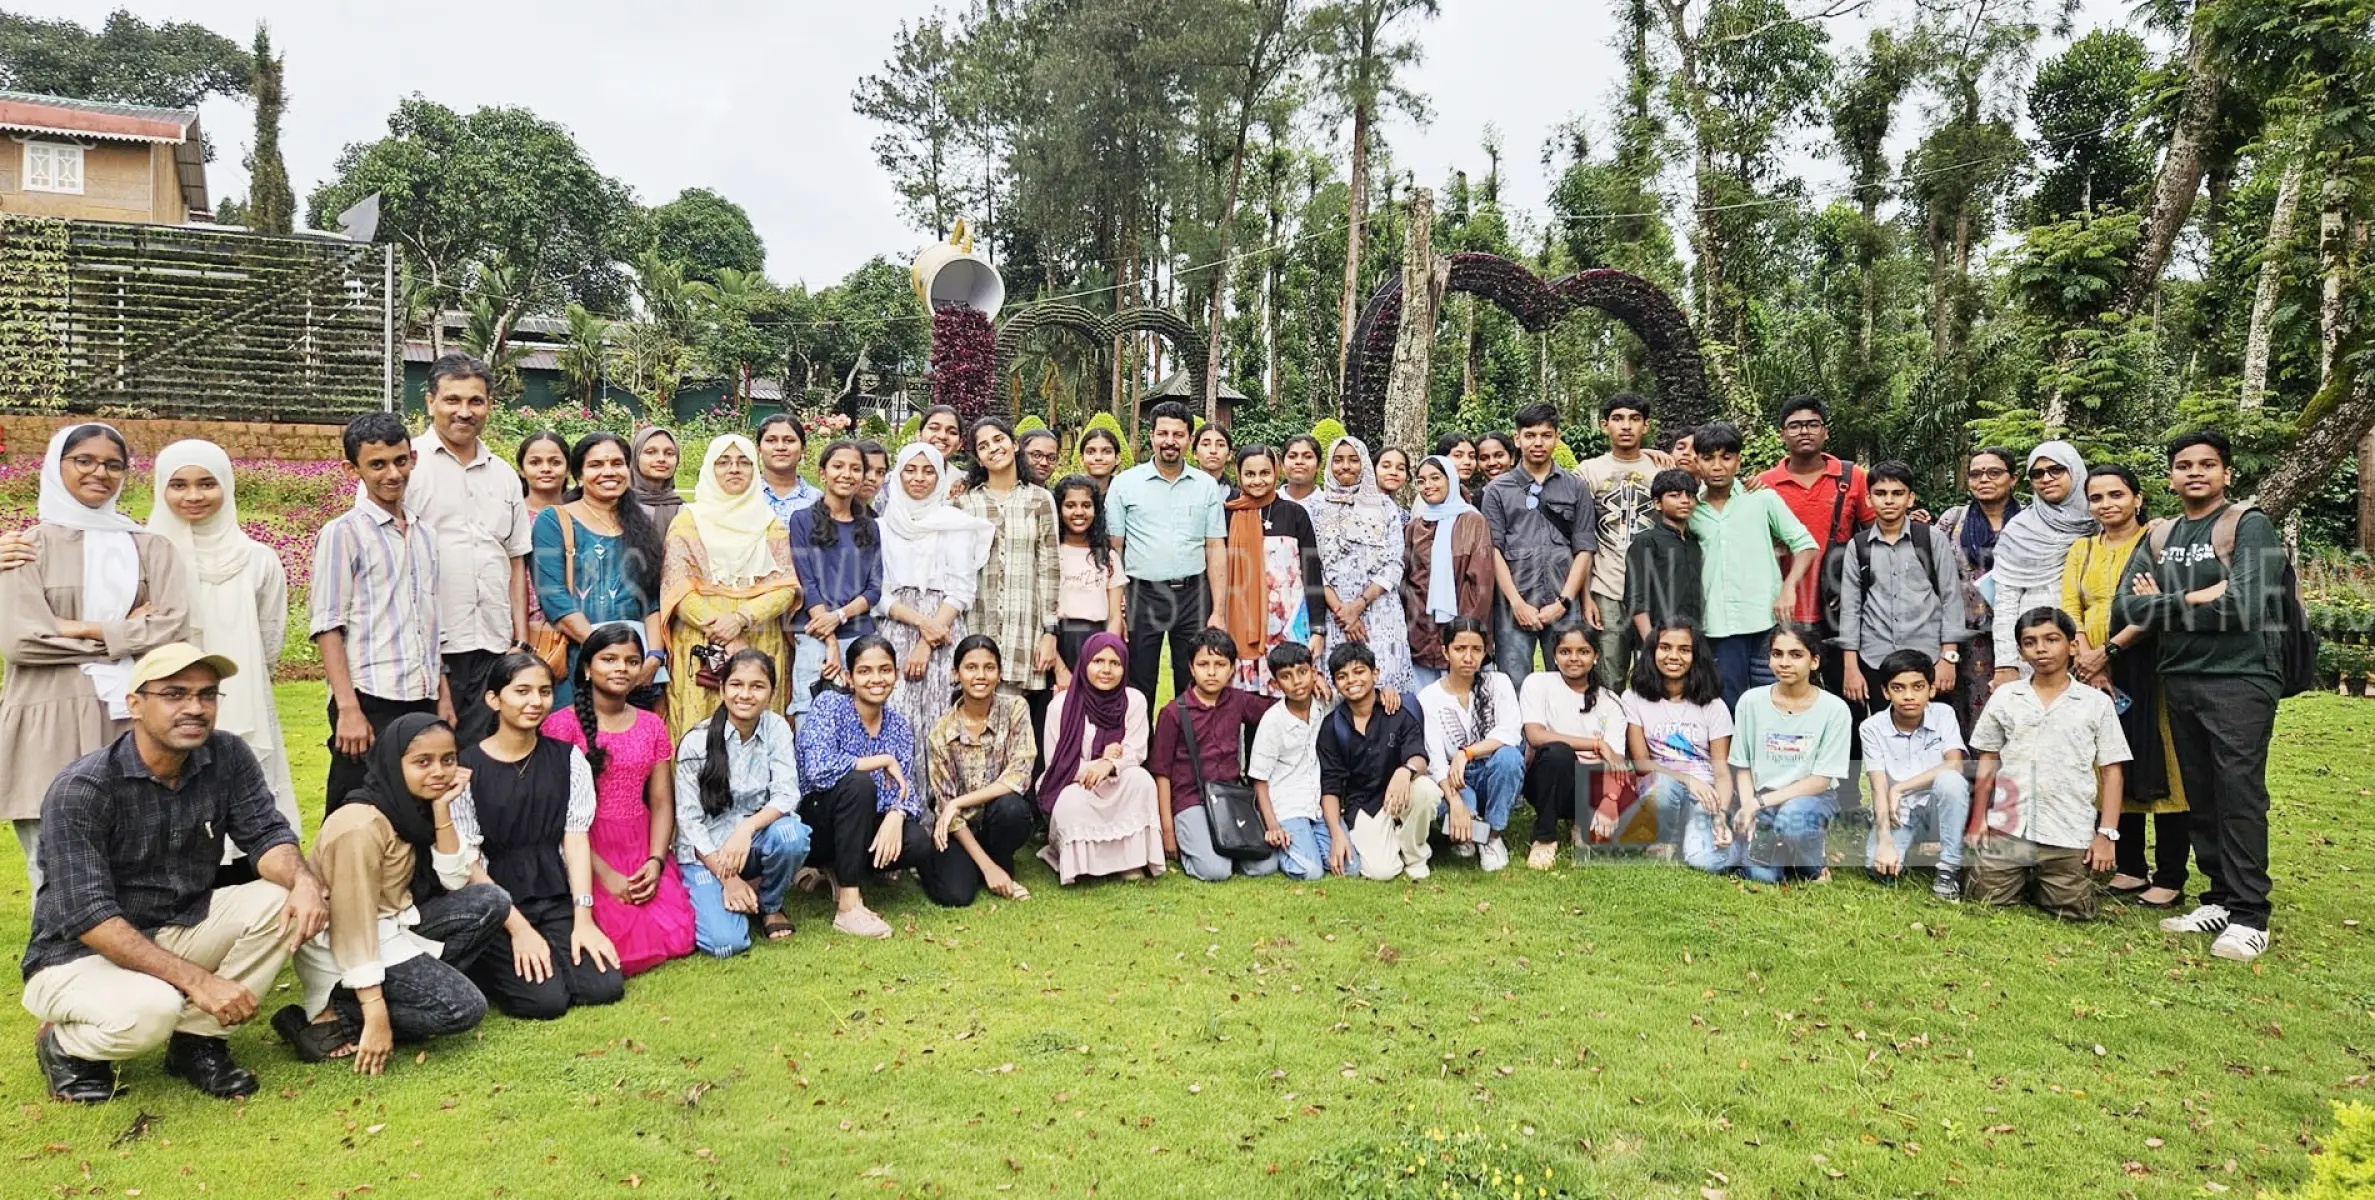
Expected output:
(1951, 654)
(585, 899)
(2112, 649)
(2107, 833)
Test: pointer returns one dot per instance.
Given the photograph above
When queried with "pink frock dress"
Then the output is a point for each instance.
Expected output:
(1116, 826)
(661, 928)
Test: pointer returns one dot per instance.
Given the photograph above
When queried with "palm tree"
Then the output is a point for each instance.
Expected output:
(585, 351)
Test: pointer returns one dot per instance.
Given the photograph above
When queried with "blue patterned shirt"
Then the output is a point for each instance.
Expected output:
(761, 772)
(832, 737)
(802, 495)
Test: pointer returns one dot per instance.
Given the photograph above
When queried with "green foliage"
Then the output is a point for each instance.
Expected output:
(1327, 431)
(172, 65)
(704, 233)
(271, 206)
(2086, 107)
(1431, 1163)
(33, 283)
(1029, 422)
(459, 192)
(1106, 421)
(1562, 457)
(2344, 1169)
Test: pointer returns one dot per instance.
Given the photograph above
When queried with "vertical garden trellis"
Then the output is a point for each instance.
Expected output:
(208, 324)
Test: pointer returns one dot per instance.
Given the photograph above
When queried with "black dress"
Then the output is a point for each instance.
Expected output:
(522, 810)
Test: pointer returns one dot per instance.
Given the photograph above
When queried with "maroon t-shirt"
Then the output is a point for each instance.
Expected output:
(1221, 731)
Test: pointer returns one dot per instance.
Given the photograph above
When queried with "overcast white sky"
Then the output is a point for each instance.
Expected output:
(751, 98)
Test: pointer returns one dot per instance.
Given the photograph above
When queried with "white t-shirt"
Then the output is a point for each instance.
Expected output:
(1681, 735)
(1286, 756)
(1452, 723)
(1905, 753)
(2045, 784)
(1547, 700)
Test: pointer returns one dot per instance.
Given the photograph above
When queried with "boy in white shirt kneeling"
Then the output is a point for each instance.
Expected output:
(1913, 753)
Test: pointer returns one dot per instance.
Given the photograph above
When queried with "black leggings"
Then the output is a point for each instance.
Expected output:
(570, 984)
(842, 821)
(2171, 839)
(1550, 788)
(1001, 826)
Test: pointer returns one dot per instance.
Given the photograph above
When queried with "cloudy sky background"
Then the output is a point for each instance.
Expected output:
(751, 98)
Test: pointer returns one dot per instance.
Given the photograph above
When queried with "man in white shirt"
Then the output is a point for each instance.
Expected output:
(471, 502)
(1913, 754)
(1284, 766)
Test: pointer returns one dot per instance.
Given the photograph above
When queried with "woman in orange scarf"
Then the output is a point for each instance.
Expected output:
(1273, 593)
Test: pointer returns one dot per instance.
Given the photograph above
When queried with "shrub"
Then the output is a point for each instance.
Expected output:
(2344, 1169)
(1327, 431)
(1562, 457)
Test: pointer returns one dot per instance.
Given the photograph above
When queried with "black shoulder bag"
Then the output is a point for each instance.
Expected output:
(1237, 828)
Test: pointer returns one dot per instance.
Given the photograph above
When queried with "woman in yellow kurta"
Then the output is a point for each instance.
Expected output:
(2121, 662)
(727, 580)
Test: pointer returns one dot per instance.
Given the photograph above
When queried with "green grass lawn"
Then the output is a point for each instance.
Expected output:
(1621, 1030)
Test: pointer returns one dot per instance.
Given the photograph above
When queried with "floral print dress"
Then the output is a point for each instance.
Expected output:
(1360, 543)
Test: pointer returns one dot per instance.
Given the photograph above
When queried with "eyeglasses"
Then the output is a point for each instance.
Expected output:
(1534, 495)
(87, 463)
(1990, 473)
(1800, 426)
(176, 697)
(2048, 471)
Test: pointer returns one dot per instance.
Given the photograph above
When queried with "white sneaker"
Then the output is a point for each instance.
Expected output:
(1417, 871)
(1492, 855)
(2209, 918)
(1464, 849)
(2240, 943)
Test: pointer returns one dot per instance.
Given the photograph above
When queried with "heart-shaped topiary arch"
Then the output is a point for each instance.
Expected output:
(1100, 331)
(1644, 308)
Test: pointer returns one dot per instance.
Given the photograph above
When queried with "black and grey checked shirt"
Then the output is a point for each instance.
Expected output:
(116, 842)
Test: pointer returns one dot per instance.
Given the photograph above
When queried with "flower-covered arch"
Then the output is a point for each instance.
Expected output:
(1642, 306)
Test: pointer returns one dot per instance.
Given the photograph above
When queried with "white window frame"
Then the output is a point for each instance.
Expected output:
(61, 174)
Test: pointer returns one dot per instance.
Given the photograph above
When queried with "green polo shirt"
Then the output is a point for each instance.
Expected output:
(1740, 577)
(1163, 522)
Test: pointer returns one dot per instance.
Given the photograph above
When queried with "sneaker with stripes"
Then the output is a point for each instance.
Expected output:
(2209, 918)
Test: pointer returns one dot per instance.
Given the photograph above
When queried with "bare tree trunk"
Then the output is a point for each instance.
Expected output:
(1414, 339)
(2333, 253)
(2180, 176)
(1468, 350)
(2271, 286)
(1356, 220)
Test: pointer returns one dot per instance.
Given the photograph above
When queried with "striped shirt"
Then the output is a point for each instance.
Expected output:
(1019, 583)
(377, 583)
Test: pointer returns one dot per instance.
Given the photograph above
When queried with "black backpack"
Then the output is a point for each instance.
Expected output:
(2296, 654)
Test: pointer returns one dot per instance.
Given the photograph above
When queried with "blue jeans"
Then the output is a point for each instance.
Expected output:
(1741, 663)
(1789, 840)
(1308, 845)
(1513, 648)
(1490, 791)
(1681, 821)
(808, 665)
(1945, 807)
(775, 854)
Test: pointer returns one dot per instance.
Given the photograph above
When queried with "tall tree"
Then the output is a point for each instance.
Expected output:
(1266, 38)
(1365, 57)
(459, 192)
(1862, 111)
(705, 234)
(1964, 168)
(172, 65)
(271, 206)
(916, 98)
(2086, 106)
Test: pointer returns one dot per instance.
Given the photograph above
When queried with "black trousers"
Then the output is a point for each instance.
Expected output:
(2171, 839)
(466, 681)
(1071, 635)
(570, 984)
(1160, 609)
(842, 822)
(431, 997)
(1001, 826)
(347, 774)
(2221, 726)
(1550, 789)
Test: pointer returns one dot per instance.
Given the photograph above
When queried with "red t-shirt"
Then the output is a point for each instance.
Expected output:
(1812, 504)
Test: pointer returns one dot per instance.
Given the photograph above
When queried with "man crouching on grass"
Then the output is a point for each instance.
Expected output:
(2057, 748)
(132, 946)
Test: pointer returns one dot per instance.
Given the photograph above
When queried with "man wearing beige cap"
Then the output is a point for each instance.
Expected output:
(132, 947)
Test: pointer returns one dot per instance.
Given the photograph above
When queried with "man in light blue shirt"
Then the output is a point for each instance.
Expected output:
(1169, 529)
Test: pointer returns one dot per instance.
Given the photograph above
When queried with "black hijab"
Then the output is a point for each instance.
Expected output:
(383, 788)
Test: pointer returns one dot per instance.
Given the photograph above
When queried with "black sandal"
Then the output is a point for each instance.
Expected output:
(776, 926)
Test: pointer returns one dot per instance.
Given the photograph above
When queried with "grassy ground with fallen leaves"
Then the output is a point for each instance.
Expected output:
(1624, 1029)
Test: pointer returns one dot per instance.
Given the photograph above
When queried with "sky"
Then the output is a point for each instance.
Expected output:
(750, 98)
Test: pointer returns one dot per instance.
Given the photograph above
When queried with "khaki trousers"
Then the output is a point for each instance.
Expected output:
(1388, 847)
(104, 1012)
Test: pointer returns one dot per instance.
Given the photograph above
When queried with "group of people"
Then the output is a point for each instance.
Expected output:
(582, 725)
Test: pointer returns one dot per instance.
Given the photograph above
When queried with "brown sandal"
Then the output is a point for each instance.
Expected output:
(777, 926)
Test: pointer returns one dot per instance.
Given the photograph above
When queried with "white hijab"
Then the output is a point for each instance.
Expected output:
(223, 615)
(929, 544)
(110, 562)
(1443, 596)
